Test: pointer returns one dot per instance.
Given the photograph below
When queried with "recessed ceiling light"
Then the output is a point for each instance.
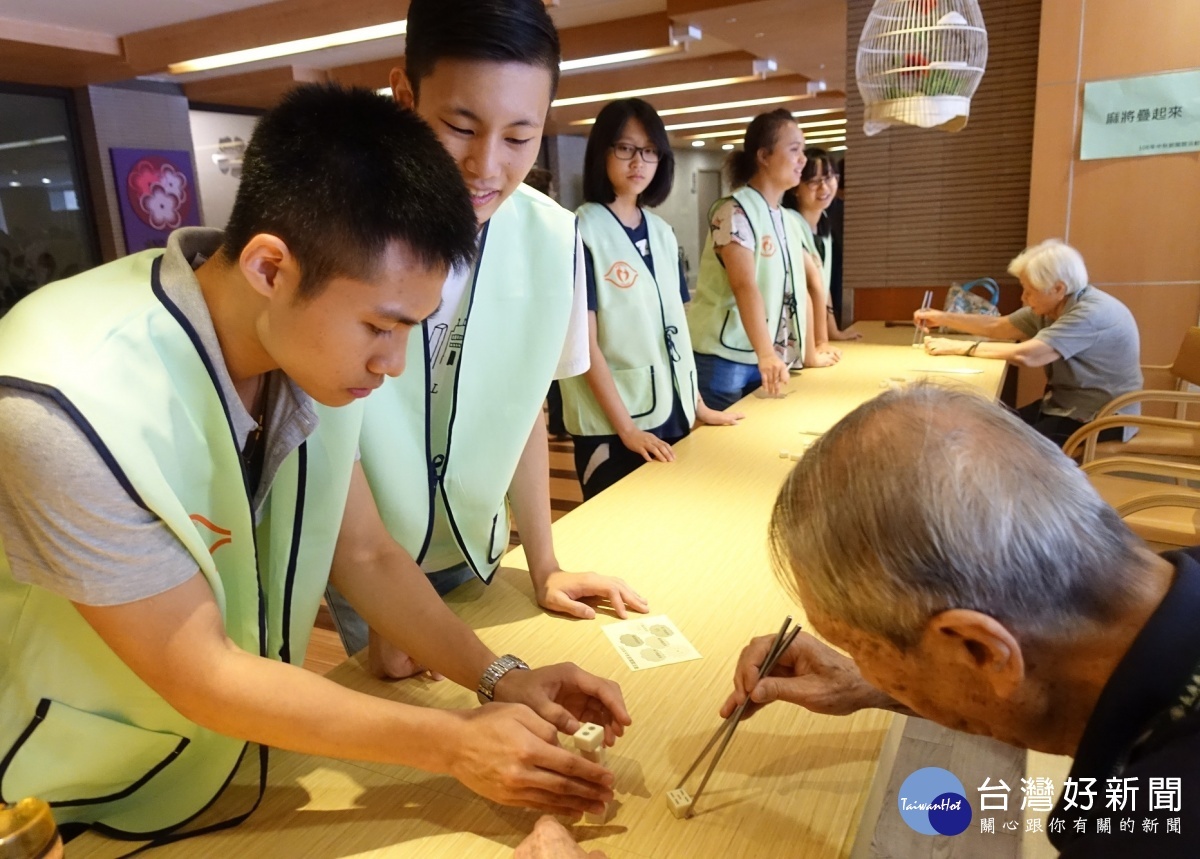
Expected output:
(653, 90)
(287, 49)
(727, 146)
(622, 57)
(803, 127)
(696, 143)
(45, 181)
(731, 105)
(745, 120)
(15, 184)
(37, 141)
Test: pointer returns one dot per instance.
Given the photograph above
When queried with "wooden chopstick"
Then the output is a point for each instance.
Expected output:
(783, 640)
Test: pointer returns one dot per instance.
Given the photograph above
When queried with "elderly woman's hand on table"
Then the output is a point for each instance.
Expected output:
(929, 318)
(946, 346)
(551, 840)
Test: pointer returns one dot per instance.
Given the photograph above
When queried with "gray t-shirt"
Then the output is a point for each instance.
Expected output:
(65, 522)
(1098, 340)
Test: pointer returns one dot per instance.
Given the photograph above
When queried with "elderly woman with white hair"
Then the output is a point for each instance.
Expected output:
(1086, 339)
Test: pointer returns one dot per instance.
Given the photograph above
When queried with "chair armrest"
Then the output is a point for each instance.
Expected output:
(1086, 435)
(1148, 396)
(1141, 465)
(1164, 499)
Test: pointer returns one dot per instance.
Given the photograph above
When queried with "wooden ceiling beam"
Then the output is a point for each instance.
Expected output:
(372, 74)
(611, 37)
(261, 89)
(666, 73)
(51, 65)
(725, 118)
(776, 87)
(682, 8)
(52, 35)
(282, 21)
(50, 55)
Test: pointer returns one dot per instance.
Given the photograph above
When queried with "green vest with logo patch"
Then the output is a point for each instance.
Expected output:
(810, 245)
(77, 727)
(715, 320)
(640, 327)
(520, 299)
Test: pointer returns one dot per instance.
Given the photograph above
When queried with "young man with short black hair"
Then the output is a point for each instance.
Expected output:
(482, 73)
(170, 503)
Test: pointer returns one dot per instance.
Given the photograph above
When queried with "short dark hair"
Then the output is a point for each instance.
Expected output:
(339, 174)
(505, 31)
(610, 122)
(819, 163)
(762, 133)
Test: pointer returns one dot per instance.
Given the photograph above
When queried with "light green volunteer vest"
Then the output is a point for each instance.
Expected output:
(77, 726)
(640, 327)
(714, 317)
(520, 306)
(810, 245)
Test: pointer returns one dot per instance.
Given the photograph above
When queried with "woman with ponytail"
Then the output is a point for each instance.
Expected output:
(752, 317)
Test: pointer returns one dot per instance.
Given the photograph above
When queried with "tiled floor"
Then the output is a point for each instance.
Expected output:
(325, 649)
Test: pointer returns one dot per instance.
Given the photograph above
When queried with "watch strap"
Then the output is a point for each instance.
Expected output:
(492, 674)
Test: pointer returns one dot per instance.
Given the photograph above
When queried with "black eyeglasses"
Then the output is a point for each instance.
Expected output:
(626, 151)
(824, 179)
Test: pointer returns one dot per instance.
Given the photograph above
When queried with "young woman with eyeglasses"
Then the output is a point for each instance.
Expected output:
(811, 199)
(752, 319)
(640, 395)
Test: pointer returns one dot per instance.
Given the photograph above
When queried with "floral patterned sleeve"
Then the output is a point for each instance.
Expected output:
(730, 224)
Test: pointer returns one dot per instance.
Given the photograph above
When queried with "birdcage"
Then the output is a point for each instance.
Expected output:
(919, 62)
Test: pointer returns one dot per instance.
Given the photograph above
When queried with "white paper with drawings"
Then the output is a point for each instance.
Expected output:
(650, 642)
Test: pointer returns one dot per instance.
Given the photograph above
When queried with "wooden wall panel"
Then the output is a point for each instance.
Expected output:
(1122, 38)
(1133, 219)
(898, 302)
(930, 208)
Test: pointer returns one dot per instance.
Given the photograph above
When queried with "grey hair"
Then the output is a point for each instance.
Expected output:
(929, 498)
(1048, 263)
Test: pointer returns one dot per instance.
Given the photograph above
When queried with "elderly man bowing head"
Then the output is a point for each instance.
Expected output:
(975, 578)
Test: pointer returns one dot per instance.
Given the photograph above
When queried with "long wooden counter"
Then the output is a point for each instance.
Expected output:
(691, 537)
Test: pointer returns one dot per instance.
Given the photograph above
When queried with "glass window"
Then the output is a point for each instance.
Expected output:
(46, 231)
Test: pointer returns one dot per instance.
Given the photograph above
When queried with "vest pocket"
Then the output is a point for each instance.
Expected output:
(70, 757)
(637, 390)
(733, 333)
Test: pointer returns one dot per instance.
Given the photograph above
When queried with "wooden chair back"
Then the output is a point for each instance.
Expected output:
(1187, 361)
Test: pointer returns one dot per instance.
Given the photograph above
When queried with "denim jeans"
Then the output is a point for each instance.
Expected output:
(723, 382)
(353, 629)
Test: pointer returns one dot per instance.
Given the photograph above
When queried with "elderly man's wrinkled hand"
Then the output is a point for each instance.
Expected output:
(551, 840)
(809, 673)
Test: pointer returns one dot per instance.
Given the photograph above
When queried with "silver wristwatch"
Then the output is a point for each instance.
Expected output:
(492, 674)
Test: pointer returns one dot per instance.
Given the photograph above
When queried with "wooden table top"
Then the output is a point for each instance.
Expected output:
(691, 537)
